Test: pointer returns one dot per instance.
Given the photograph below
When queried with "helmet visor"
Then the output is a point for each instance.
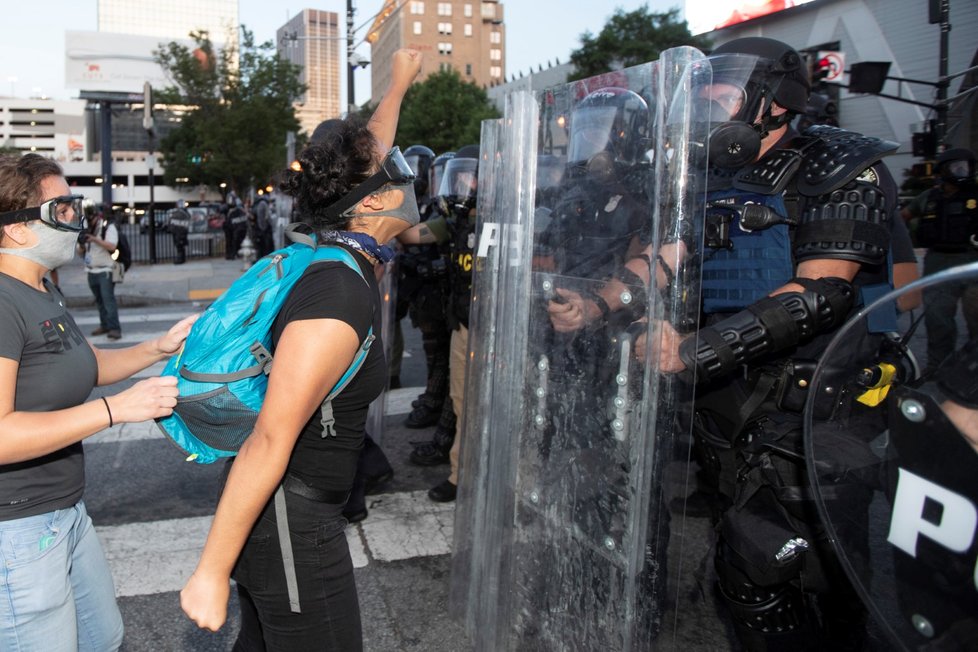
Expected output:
(591, 132)
(460, 181)
(735, 89)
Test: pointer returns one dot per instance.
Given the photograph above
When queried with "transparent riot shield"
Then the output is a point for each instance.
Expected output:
(892, 445)
(569, 519)
(387, 286)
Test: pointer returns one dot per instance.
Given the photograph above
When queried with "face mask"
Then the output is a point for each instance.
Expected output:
(407, 211)
(54, 247)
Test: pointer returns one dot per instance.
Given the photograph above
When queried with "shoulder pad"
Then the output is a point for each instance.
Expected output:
(771, 175)
(837, 157)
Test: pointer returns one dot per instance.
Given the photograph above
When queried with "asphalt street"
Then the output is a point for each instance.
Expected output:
(152, 509)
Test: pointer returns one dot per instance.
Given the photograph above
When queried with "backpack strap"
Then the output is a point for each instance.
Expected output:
(285, 543)
(326, 410)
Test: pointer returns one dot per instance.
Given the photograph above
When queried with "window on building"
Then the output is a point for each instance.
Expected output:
(467, 10)
(468, 29)
(417, 8)
(417, 27)
(495, 55)
(444, 67)
(495, 37)
(495, 71)
(488, 10)
(444, 8)
(444, 48)
(468, 69)
(444, 28)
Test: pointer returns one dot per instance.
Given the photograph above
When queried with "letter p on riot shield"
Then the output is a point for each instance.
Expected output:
(955, 529)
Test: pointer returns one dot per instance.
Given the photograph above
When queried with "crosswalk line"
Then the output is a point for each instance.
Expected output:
(158, 556)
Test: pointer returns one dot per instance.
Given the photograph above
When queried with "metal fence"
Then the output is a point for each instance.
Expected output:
(199, 245)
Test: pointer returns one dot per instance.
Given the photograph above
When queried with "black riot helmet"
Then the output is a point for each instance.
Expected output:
(419, 158)
(609, 133)
(460, 181)
(747, 76)
(957, 165)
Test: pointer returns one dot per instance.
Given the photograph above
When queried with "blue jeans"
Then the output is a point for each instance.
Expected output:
(104, 290)
(330, 618)
(56, 591)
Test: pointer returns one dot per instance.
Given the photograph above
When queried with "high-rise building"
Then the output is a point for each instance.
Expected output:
(467, 35)
(173, 19)
(311, 39)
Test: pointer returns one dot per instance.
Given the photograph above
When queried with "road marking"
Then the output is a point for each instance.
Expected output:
(204, 295)
(158, 556)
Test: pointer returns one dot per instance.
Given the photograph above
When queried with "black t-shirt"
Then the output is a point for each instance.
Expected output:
(331, 290)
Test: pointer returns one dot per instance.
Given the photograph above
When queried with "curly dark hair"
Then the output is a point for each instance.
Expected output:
(340, 156)
(20, 180)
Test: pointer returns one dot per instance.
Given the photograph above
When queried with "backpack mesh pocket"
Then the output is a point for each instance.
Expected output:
(217, 418)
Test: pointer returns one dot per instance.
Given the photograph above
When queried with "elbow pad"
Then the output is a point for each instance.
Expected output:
(768, 326)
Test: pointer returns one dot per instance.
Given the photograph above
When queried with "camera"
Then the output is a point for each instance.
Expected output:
(83, 237)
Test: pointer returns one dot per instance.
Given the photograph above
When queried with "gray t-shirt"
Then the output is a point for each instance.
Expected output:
(57, 370)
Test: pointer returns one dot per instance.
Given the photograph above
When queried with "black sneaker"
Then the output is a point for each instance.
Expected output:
(423, 417)
(443, 493)
(429, 454)
(114, 335)
(100, 331)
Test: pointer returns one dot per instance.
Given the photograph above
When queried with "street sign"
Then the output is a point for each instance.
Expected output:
(836, 64)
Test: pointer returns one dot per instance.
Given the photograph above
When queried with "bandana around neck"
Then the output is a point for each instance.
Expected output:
(361, 242)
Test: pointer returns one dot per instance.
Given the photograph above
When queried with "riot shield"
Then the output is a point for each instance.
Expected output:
(567, 534)
(892, 446)
(387, 286)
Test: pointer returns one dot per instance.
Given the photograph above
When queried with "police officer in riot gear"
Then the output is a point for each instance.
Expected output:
(947, 224)
(797, 230)
(420, 294)
(596, 214)
(456, 198)
(179, 227)
(901, 447)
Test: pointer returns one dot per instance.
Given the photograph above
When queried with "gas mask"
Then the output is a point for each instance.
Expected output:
(395, 174)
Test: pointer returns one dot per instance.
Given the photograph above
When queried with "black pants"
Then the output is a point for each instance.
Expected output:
(180, 241)
(330, 618)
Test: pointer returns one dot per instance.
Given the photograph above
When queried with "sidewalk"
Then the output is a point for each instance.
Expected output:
(148, 285)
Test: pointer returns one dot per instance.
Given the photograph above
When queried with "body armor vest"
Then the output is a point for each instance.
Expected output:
(756, 263)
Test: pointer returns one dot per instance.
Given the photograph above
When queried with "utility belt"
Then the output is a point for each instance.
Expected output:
(294, 485)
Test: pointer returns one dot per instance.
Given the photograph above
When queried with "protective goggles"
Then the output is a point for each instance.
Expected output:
(63, 213)
(393, 170)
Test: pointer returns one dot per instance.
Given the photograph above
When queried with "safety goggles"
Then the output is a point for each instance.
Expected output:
(63, 213)
(393, 170)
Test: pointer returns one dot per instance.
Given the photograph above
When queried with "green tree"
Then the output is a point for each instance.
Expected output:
(443, 112)
(631, 38)
(238, 112)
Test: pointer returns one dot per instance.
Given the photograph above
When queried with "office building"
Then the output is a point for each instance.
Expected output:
(173, 19)
(311, 40)
(466, 35)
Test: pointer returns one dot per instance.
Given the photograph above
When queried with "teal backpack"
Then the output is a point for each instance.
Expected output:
(222, 369)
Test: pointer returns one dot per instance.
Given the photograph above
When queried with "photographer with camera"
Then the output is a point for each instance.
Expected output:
(97, 245)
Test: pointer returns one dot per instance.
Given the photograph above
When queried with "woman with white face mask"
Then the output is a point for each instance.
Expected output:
(57, 592)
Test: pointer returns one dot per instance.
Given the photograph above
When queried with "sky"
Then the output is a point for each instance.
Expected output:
(537, 31)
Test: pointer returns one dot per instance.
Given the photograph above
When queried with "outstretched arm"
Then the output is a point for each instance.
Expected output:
(383, 123)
